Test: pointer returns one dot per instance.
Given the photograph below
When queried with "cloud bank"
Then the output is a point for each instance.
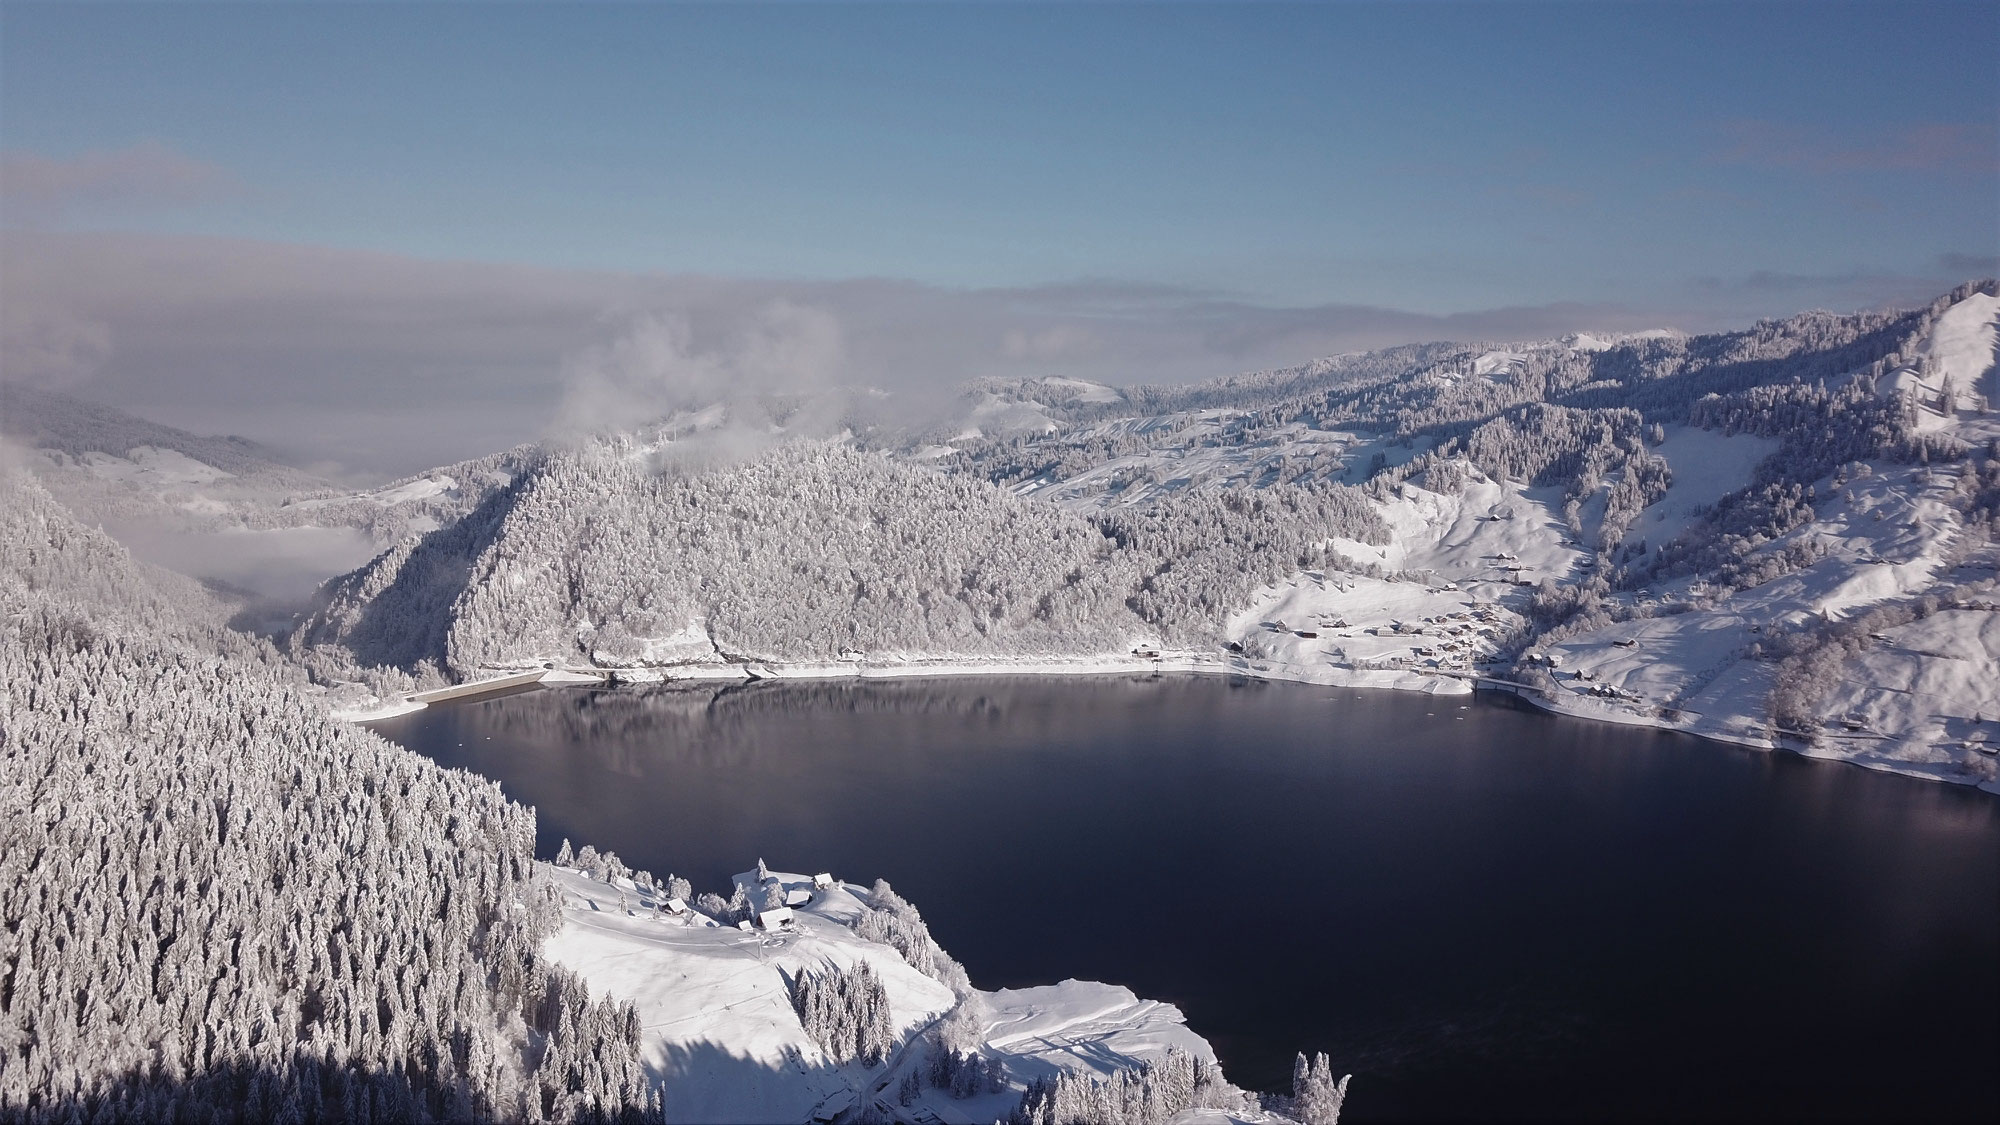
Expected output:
(384, 364)
(39, 188)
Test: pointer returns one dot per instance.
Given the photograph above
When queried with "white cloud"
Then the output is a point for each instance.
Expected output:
(50, 347)
(391, 364)
(654, 368)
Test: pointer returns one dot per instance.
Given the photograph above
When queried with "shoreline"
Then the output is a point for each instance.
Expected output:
(1718, 730)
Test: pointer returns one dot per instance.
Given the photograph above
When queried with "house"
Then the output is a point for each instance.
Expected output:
(775, 918)
(799, 897)
(822, 881)
(675, 907)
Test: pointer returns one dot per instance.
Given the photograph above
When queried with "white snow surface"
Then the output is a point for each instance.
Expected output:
(1198, 461)
(1490, 535)
(1965, 341)
(1959, 354)
(1706, 466)
(1917, 692)
(1085, 391)
(721, 1033)
(153, 468)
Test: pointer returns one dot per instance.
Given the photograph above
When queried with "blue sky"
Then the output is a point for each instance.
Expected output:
(1431, 156)
(1693, 162)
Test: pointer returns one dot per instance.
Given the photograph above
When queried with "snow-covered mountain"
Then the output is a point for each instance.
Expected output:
(222, 508)
(1678, 530)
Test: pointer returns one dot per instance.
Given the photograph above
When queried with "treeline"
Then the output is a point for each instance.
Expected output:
(1208, 551)
(1150, 1094)
(809, 552)
(846, 1011)
(218, 904)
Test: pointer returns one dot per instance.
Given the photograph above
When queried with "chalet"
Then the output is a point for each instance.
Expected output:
(674, 906)
(775, 918)
(822, 881)
(799, 897)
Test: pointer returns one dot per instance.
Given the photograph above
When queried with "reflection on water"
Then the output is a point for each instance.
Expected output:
(1481, 910)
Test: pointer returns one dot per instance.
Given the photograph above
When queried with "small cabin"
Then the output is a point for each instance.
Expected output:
(774, 918)
(800, 897)
(676, 907)
(822, 881)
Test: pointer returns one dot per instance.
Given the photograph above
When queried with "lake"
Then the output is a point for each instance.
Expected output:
(1480, 910)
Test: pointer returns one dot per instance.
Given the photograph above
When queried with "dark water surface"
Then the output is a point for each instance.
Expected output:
(1481, 911)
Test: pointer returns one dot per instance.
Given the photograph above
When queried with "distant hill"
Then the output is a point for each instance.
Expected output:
(42, 419)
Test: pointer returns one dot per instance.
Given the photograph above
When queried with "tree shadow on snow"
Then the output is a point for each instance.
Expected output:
(706, 1081)
(305, 1090)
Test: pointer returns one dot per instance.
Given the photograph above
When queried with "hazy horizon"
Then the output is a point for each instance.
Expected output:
(385, 237)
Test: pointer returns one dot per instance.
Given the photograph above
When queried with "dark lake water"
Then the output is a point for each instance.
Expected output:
(1480, 910)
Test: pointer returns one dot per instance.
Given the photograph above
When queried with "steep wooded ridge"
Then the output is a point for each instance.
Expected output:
(811, 551)
(1767, 485)
(220, 904)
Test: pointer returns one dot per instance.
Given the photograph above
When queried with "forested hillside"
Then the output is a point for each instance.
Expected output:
(811, 551)
(219, 904)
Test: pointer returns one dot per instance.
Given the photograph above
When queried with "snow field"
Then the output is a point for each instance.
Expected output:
(720, 1030)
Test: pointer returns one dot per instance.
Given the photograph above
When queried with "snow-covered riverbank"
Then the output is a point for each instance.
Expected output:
(1196, 663)
(1739, 727)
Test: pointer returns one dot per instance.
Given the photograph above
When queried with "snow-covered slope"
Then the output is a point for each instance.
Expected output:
(721, 1030)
